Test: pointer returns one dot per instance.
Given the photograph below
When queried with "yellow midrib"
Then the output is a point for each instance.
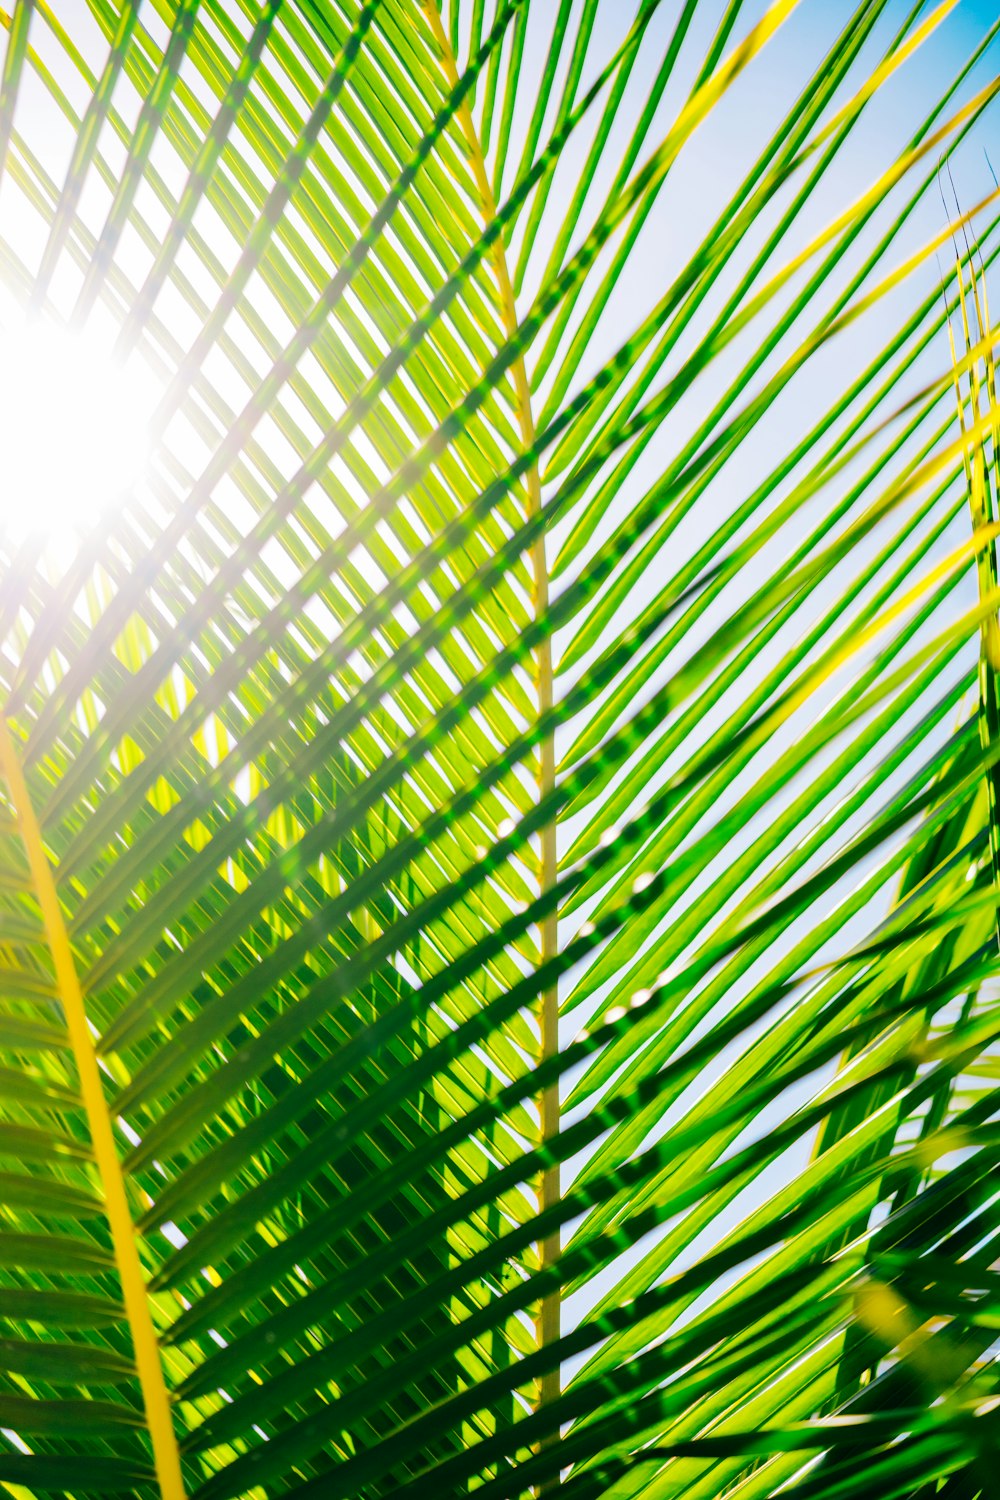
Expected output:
(156, 1400)
(548, 1321)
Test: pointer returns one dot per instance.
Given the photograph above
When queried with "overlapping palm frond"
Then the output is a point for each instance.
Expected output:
(498, 855)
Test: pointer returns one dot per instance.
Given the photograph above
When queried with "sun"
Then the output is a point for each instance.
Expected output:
(74, 430)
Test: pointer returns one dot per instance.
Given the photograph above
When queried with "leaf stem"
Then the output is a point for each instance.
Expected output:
(156, 1401)
(547, 1323)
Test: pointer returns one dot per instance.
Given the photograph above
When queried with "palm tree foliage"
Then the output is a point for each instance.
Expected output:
(501, 821)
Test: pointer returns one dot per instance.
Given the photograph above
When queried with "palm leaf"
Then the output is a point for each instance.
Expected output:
(498, 857)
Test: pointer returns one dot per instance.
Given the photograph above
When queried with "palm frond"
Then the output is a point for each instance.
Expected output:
(498, 865)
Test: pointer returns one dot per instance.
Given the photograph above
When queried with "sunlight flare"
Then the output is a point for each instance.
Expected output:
(74, 430)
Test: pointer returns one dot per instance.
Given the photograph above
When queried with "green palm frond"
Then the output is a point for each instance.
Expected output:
(499, 836)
